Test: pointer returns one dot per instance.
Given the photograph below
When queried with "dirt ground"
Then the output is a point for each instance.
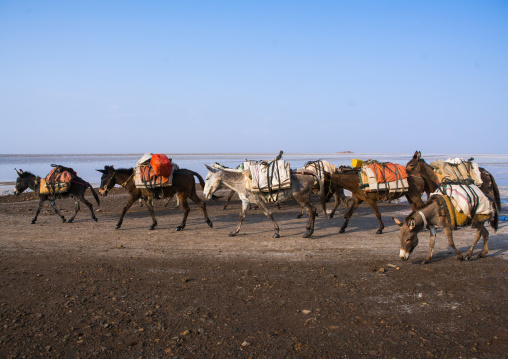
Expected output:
(86, 290)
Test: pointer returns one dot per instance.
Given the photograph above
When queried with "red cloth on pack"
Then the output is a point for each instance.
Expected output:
(64, 176)
(148, 175)
(388, 172)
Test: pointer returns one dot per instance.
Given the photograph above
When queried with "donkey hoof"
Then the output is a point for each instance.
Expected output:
(276, 235)
(69, 221)
(307, 235)
(460, 258)
(63, 220)
(151, 228)
(33, 222)
(330, 216)
(210, 224)
(299, 216)
(342, 230)
(118, 226)
(481, 255)
(224, 208)
(95, 219)
(379, 231)
(232, 234)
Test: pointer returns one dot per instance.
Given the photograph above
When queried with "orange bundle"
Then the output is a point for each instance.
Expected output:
(388, 172)
(161, 165)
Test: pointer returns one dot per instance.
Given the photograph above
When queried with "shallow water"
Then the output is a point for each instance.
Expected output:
(86, 164)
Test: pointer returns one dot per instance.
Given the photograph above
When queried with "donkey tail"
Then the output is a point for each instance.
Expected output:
(497, 197)
(201, 181)
(94, 194)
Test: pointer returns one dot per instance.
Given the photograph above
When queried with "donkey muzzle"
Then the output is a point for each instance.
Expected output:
(404, 255)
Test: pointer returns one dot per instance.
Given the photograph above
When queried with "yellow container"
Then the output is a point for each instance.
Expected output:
(356, 163)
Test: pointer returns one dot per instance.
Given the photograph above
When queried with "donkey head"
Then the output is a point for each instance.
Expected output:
(107, 180)
(414, 164)
(408, 236)
(213, 181)
(22, 182)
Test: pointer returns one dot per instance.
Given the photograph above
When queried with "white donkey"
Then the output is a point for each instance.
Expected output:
(301, 188)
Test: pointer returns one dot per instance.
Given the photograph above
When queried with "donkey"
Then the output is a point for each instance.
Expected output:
(301, 188)
(348, 178)
(435, 214)
(184, 186)
(232, 193)
(418, 165)
(76, 190)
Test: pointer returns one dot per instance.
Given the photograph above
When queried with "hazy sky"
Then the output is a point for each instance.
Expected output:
(253, 76)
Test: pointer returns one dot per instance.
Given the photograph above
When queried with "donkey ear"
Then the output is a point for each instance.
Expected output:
(397, 222)
(19, 174)
(101, 171)
(411, 224)
(210, 168)
(419, 155)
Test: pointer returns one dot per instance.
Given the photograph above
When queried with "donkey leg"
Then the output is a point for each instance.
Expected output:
(357, 201)
(202, 205)
(373, 205)
(56, 211)
(230, 195)
(76, 209)
(485, 242)
(268, 213)
(166, 202)
(449, 236)
(301, 213)
(186, 209)
(125, 209)
(89, 205)
(243, 211)
(149, 206)
(480, 232)
(336, 205)
(312, 218)
(432, 242)
(41, 201)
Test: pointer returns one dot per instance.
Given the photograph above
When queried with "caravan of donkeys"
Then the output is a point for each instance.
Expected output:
(458, 191)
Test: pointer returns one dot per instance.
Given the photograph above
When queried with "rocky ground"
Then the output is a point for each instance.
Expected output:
(87, 290)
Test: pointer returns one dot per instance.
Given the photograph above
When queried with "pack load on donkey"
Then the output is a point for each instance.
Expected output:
(153, 171)
(381, 176)
(57, 181)
(269, 178)
(457, 170)
(465, 203)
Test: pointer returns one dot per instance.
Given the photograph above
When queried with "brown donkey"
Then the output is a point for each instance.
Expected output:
(348, 178)
(184, 186)
(436, 213)
(418, 165)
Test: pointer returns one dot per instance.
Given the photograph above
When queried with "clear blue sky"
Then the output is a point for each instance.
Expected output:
(253, 76)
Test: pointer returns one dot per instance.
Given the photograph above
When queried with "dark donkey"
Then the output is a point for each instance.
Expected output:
(76, 190)
(348, 178)
(418, 165)
(184, 186)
